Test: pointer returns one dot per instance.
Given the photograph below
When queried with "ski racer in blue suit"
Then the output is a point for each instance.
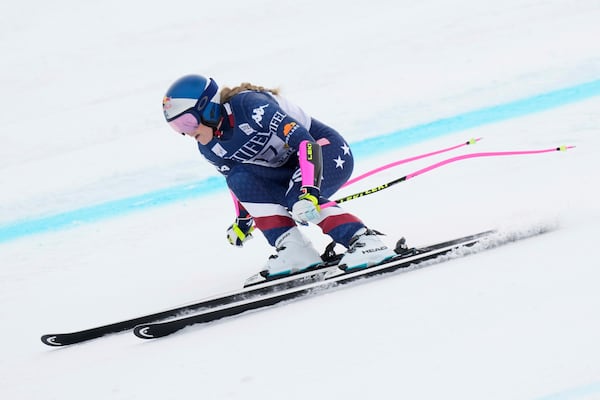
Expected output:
(280, 165)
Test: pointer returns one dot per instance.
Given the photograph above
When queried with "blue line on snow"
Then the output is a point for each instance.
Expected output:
(472, 119)
(109, 209)
(369, 146)
(579, 392)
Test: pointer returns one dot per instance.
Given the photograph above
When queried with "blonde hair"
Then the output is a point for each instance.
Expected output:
(227, 93)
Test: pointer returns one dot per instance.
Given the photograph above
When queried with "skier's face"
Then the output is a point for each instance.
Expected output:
(187, 124)
(203, 134)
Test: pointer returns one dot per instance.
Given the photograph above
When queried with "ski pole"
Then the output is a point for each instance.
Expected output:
(406, 160)
(438, 165)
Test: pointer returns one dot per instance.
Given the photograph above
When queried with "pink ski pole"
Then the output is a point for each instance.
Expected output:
(438, 165)
(406, 160)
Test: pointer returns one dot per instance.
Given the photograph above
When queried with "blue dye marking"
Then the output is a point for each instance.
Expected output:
(473, 119)
(370, 146)
(581, 392)
(110, 209)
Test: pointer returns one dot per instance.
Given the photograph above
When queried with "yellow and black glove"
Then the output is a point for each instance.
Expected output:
(240, 231)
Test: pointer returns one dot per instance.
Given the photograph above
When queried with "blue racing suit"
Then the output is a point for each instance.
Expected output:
(256, 150)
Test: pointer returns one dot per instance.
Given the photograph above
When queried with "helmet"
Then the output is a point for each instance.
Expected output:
(193, 94)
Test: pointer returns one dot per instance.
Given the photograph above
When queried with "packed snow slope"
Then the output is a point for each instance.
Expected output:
(82, 128)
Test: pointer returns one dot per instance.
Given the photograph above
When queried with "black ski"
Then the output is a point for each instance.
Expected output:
(332, 277)
(235, 297)
(64, 339)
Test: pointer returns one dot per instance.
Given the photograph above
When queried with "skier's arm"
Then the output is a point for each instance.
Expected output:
(311, 167)
(241, 230)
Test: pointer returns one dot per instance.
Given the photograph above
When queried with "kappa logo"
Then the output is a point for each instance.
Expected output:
(257, 114)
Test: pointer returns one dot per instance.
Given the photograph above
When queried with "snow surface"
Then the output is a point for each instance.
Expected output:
(82, 84)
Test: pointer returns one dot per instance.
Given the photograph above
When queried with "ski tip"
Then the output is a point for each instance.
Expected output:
(143, 332)
(51, 340)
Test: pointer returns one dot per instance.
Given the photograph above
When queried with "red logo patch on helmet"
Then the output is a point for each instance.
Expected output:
(166, 103)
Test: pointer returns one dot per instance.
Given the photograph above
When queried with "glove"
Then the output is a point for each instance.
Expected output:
(307, 207)
(240, 231)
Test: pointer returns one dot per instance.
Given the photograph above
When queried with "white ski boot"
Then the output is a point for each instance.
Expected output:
(366, 249)
(294, 253)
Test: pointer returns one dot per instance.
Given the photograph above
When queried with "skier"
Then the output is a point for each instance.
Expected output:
(280, 166)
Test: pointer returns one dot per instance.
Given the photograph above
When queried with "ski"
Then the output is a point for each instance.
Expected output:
(249, 292)
(257, 289)
(333, 276)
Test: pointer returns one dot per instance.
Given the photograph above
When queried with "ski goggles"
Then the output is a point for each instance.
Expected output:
(185, 123)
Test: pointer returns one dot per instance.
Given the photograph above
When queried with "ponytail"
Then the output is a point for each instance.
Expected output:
(227, 93)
